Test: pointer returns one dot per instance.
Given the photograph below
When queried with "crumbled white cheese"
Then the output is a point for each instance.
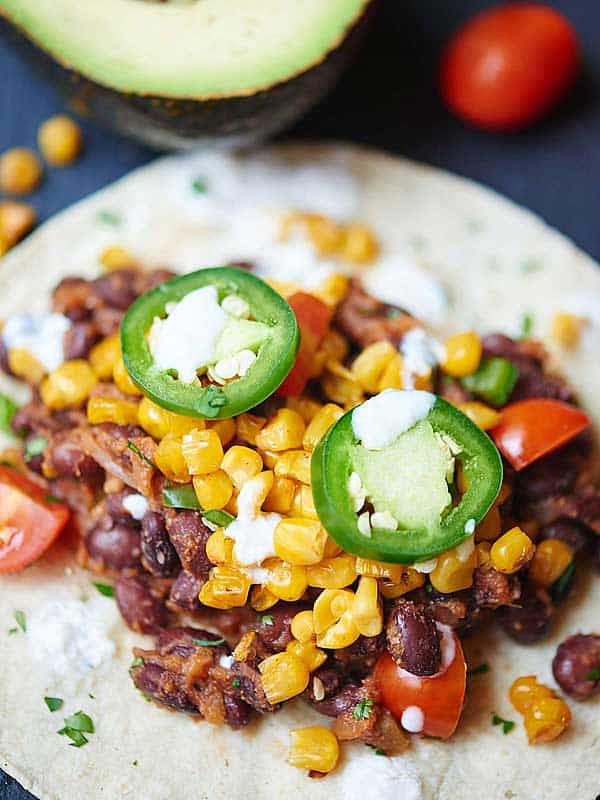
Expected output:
(384, 520)
(425, 566)
(470, 526)
(253, 531)
(236, 306)
(40, 334)
(136, 505)
(382, 418)
(186, 339)
(364, 524)
(412, 719)
(421, 353)
(70, 637)
(226, 662)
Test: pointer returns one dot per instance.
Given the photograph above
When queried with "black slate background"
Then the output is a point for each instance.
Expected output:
(387, 100)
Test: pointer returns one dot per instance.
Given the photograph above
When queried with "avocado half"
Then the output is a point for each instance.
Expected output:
(177, 74)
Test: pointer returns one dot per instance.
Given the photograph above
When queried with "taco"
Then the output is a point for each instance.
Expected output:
(299, 448)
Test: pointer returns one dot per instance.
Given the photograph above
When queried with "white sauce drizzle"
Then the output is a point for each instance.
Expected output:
(421, 354)
(381, 419)
(253, 530)
(41, 335)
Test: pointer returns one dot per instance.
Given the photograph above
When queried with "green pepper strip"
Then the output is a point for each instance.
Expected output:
(494, 380)
(275, 357)
(185, 497)
(331, 466)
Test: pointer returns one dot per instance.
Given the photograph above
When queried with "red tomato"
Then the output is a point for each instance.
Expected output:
(314, 317)
(29, 522)
(509, 65)
(531, 428)
(440, 697)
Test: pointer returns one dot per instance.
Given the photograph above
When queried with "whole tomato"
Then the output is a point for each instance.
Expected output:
(506, 67)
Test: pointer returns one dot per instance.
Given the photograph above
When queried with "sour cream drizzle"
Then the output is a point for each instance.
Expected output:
(381, 419)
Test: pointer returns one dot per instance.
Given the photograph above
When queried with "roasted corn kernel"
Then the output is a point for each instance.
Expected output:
(314, 748)
(325, 235)
(307, 652)
(305, 406)
(482, 554)
(550, 560)
(25, 365)
(286, 581)
(318, 426)
(213, 490)
(281, 495)
(341, 634)
(339, 385)
(334, 346)
(122, 379)
(454, 570)
(332, 573)
(219, 548)
(483, 416)
(370, 365)
(20, 171)
(333, 289)
(360, 245)
(300, 541)
(392, 376)
(303, 504)
(248, 425)
(525, 691)
(109, 409)
(104, 355)
(379, 569)
(224, 428)
(262, 599)
(329, 607)
(410, 579)
(116, 257)
(547, 718)
(302, 626)
(294, 464)
(512, 551)
(283, 431)
(462, 354)
(566, 329)
(366, 608)
(202, 451)
(69, 386)
(170, 461)
(226, 587)
(269, 458)
(59, 139)
(158, 421)
(241, 464)
(283, 676)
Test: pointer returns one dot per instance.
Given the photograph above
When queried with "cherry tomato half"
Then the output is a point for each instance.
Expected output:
(532, 428)
(507, 66)
(314, 317)
(29, 520)
(440, 697)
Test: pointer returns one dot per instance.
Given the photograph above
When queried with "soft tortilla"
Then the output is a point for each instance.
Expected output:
(497, 262)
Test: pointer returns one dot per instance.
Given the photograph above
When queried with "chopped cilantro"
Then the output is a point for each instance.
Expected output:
(393, 313)
(134, 763)
(218, 517)
(53, 703)
(378, 750)
(34, 447)
(105, 589)
(21, 620)
(560, 587)
(507, 724)
(138, 661)
(8, 408)
(77, 738)
(526, 325)
(91, 696)
(12, 631)
(135, 449)
(593, 675)
(236, 682)
(531, 264)
(266, 619)
(480, 670)
(208, 642)
(429, 588)
(50, 498)
(199, 186)
(75, 728)
(109, 217)
(362, 710)
(211, 400)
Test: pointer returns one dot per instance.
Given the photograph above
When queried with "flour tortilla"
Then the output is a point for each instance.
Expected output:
(496, 262)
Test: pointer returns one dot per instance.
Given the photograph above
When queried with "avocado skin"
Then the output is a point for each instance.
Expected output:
(171, 123)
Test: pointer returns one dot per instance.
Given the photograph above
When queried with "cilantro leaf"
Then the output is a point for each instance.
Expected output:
(12, 631)
(199, 186)
(378, 750)
(266, 619)
(208, 642)
(138, 661)
(109, 217)
(218, 517)
(53, 703)
(8, 408)
(527, 323)
(236, 682)
(105, 589)
(80, 721)
(362, 710)
(480, 670)
(593, 675)
(50, 498)
(77, 738)
(507, 724)
(21, 620)
(34, 447)
(135, 449)
(561, 585)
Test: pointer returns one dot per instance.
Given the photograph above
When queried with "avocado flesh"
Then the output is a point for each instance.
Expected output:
(408, 478)
(204, 49)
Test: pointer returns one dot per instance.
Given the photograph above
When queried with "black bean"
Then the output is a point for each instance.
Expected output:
(359, 658)
(273, 628)
(237, 712)
(528, 620)
(117, 511)
(139, 607)
(569, 531)
(144, 281)
(116, 545)
(116, 288)
(184, 592)
(150, 680)
(337, 703)
(79, 339)
(188, 535)
(158, 554)
(412, 639)
(576, 665)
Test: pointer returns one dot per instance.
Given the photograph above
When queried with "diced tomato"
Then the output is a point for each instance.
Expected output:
(30, 520)
(314, 318)
(440, 697)
(532, 428)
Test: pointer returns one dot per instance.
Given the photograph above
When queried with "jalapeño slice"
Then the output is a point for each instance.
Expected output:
(270, 332)
(407, 479)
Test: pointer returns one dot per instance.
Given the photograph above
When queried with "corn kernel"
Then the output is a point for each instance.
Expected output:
(482, 554)
(158, 421)
(122, 379)
(462, 354)
(108, 409)
(550, 560)
(269, 458)
(60, 140)
(525, 691)
(283, 431)
(20, 171)
(341, 634)
(305, 406)
(300, 541)
(302, 626)
(213, 490)
(281, 495)
(219, 548)
(286, 581)
(241, 464)
(224, 428)
(283, 676)
(411, 579)
(490, 526)
(170, 461)
(262, 599)
(392, 374)
(104, 355)
(333, 289)
(483, 416)
(332, 548)
(116, 257)
(68, 386)
(546, 720)
(294, 464)
(25, 365)
(320, 424)
(308, 653)
(512, 551)
(248, 426)
(325, 235)
(329, 607)
(335, 346)
(202, 451)
(566, 329)
(227, 587)
(366, 609)
(370, 365)
(379, 569)
(339, 385)
(453, 573)
(332, 573)
(313, 748)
